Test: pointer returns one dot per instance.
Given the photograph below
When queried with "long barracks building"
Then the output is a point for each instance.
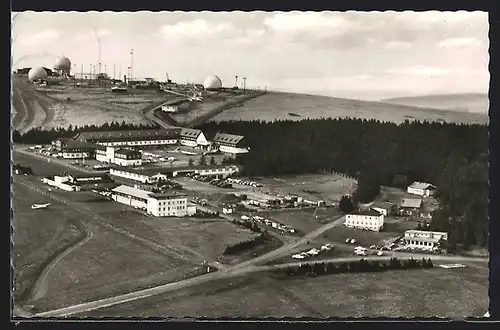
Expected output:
(226, 143)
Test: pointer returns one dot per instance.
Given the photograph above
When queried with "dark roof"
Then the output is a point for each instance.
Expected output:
(190, 133)
(72, 144)
(383, 205)
(127, 152)
(164, 170)
(133, 134)
(370, 212)
(227, 138)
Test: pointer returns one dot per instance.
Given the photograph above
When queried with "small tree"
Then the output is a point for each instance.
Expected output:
(212, 160)
(203, 160)
(346, 204)
(190, 162)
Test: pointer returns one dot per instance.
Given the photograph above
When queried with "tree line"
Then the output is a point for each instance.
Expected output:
(359, 266)
(454, 157)
(42, 136)
(245, 245)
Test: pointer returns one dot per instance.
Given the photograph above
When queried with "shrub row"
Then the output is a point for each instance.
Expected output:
(306, 269)
(245, 245)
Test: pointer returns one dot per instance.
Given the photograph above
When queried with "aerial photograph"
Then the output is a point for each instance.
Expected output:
(249, 164)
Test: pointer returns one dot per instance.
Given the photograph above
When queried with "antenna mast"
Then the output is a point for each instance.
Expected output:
(132, 64)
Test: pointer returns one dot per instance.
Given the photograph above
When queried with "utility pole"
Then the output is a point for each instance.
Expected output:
(90, 74)
(105, 75)
(132, 64)
(120, 75)
(236, 81)
(114, 71)
(93, 74)
(74, 76)
(244, 85)
(99, 74)
(81, 74)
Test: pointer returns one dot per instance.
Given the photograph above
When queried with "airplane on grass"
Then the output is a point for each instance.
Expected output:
(39, 206)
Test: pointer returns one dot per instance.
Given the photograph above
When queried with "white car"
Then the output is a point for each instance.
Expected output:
(347, 240)
(373, 247)
(313, 252)
(326, 247)
(298, 256)
(353, 241)
(380, 253)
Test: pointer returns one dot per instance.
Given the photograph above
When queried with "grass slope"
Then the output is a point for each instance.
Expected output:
(278, 106)
(472, 103)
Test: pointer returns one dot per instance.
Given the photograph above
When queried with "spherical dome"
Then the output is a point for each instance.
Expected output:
(37, 73)
(62, 63)
(212, 82)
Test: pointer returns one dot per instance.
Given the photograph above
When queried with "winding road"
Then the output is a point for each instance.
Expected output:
(225, 272)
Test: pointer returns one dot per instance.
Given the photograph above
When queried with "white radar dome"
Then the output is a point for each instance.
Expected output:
(212, 82)
(37, 74)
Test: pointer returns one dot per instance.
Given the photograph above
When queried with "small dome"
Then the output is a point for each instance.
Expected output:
(62, 63)
(37, 74)
(212, 82)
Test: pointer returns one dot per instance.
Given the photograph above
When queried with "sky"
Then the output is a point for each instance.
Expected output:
(364, 55)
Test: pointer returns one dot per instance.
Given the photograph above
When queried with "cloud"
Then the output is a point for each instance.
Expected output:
(422, 70)
(309, 22)
(459, 42)
(43, 36)
(398, 45)
(197, 29)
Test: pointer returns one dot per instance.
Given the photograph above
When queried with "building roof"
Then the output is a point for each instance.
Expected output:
(421, 185)
(150, 171)
(131, 191)
(132, 134)
(414, 231)
(190, 133)
(411, 202)
(227, 138)
(72, 144)
(369, 212)
(94, 177)
(127, 152)
(383, 205)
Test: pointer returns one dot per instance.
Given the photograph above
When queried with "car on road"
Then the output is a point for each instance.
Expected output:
(327, 247)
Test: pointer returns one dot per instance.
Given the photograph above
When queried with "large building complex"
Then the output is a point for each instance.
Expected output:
(193, 138)
(157, 204)
(154, 175)
(76, 150)
(425, 240)
(226, 143)
(230, 143)
(132, 138)
(118, 156)
(368, 220)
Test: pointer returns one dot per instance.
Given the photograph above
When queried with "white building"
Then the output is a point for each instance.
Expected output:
(217, 170)
(156, 204)
(133, 138)
(426, 240)
(77, 150)
(139, 175)
(61, 182)
(370, 220)
(421, 189)
(118, 156)
(230, 144)
(193, 138)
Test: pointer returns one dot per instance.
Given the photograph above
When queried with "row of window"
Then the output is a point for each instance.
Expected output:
(364, 223)
(172, 202)
(420, 243)
(163, 209)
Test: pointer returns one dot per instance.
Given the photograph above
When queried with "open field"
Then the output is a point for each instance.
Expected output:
(472, 103)
(314, 187)
(108, 264)
(42, 167)
(38, 236)
(277, 106)
(305, 220)
(429, 292)
(392, 228)
(206, 237)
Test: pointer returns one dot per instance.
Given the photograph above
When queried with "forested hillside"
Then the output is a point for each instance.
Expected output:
(453, 157)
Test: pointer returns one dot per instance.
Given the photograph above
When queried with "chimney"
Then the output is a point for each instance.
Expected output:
(125, 79)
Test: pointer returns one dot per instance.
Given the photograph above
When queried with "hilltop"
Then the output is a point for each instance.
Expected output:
(289, 106)
(471, 102)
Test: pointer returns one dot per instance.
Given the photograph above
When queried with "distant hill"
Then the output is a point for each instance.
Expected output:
(472, 103)
(288, 106)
